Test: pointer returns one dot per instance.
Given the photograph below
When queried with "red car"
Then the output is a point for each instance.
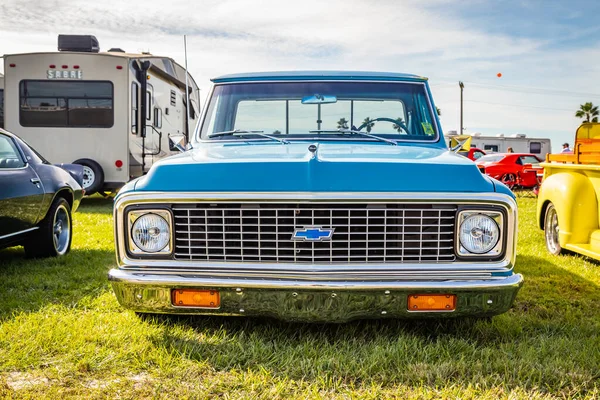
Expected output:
(512, 169)
(472, 154)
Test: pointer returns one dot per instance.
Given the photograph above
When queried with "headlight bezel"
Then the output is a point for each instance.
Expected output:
(499, 250)
(131, 215)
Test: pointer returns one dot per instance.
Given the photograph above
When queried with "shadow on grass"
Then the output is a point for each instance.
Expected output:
(29, 284)
(554, 306)
(96, 205)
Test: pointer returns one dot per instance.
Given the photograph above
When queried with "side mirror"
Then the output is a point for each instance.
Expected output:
(178, 143)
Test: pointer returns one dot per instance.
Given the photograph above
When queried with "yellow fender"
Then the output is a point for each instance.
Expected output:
(574, 198)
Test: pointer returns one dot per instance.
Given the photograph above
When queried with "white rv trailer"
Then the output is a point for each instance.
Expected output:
(113, 112)
(520, 143)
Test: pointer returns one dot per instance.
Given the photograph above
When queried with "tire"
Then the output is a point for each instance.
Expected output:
(509, 180)
(55, 232)
(551, 230)
(93, 175)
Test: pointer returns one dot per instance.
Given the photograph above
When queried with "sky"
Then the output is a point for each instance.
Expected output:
(547, 52)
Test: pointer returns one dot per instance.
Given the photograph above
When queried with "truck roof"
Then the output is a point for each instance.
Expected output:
(317, 75)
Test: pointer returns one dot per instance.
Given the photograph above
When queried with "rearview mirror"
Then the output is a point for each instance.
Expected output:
(319, 99)
(178, 143)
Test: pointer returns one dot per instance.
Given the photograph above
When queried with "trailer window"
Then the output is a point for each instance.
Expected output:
(491, 147)
(535, 147)
(66, 104)
(157, 117)
(148, 105)
(134, 108)
(1, 108)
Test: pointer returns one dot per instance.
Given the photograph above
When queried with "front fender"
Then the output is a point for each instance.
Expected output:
(576, 203)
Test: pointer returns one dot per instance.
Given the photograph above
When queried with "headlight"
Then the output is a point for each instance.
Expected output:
(150, 232)
(479, 233)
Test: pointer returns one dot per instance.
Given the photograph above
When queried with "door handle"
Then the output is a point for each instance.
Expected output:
(35, 181)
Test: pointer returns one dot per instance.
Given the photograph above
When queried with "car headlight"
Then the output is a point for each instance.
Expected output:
(480, 233)
(149, 232)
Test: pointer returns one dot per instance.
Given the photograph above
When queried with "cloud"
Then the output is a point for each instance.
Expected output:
(438, 39)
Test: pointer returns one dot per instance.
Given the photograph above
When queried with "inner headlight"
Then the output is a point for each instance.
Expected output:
(479, 233)
(150, 232)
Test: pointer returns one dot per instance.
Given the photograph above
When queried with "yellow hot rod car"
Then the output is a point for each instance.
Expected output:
(568, 208)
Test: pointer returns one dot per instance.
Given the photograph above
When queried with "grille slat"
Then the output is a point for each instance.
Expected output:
(363, 233)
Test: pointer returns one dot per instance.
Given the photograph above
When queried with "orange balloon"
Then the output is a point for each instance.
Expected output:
(499, 74)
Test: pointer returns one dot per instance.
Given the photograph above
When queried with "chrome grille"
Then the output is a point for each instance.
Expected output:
(363, 233)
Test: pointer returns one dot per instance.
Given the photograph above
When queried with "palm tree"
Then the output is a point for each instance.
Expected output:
(587, 111)
(277, 132)
(398, 125)
(342, 123)
(368, 123)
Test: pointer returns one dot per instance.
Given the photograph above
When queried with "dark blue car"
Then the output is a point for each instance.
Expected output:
(36, 199)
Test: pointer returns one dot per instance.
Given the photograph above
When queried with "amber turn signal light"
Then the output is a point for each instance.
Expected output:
(431, 302)
(196, 298)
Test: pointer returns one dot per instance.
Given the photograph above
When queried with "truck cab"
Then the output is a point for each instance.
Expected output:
(568, 207)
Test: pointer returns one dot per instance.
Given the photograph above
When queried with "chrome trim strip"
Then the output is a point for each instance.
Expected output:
(475, 199)
(161, 280)
(20, 232)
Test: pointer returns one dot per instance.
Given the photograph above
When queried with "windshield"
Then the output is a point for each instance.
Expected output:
(490, 158)
(399, 111)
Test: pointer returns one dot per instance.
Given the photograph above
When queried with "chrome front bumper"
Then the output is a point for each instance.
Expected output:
(312, 300)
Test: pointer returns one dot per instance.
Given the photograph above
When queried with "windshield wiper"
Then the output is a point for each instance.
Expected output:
(354, 132)
(242, 132)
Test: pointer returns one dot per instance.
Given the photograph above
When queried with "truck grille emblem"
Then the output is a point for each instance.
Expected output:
(313, 234)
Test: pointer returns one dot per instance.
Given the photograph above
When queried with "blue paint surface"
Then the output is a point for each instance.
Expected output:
(342, 166)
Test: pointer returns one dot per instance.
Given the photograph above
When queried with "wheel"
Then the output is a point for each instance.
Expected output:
(551, 230)
(509, 180)
(93, 175)
(53, 237)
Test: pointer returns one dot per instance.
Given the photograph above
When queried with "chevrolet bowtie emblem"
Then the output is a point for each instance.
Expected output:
(313, 234)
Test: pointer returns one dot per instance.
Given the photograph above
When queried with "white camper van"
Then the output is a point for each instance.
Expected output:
(519, 142)
(113, 112)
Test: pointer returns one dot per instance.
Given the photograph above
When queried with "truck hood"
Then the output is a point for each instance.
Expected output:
(331, 167)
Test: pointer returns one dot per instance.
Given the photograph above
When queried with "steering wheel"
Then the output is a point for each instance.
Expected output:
(394, 121)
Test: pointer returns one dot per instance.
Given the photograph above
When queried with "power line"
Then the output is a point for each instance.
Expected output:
(525, 89)
(517, 105)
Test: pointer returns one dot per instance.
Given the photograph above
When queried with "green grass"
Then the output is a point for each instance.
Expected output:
(63, 334)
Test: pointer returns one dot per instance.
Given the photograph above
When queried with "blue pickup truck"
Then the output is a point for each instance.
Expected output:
(317, 196)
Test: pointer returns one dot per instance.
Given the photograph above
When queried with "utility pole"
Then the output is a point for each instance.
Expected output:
(462, 86)
(187, 94)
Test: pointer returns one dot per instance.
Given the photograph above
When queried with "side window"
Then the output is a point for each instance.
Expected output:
(9, 155)
(530, 160)
(519, 160)
(148, 105)
(491, 147)
(194, 109)
(157, 117)
(535, 147)
(134, 107)
(477, 155)
(63, 103)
